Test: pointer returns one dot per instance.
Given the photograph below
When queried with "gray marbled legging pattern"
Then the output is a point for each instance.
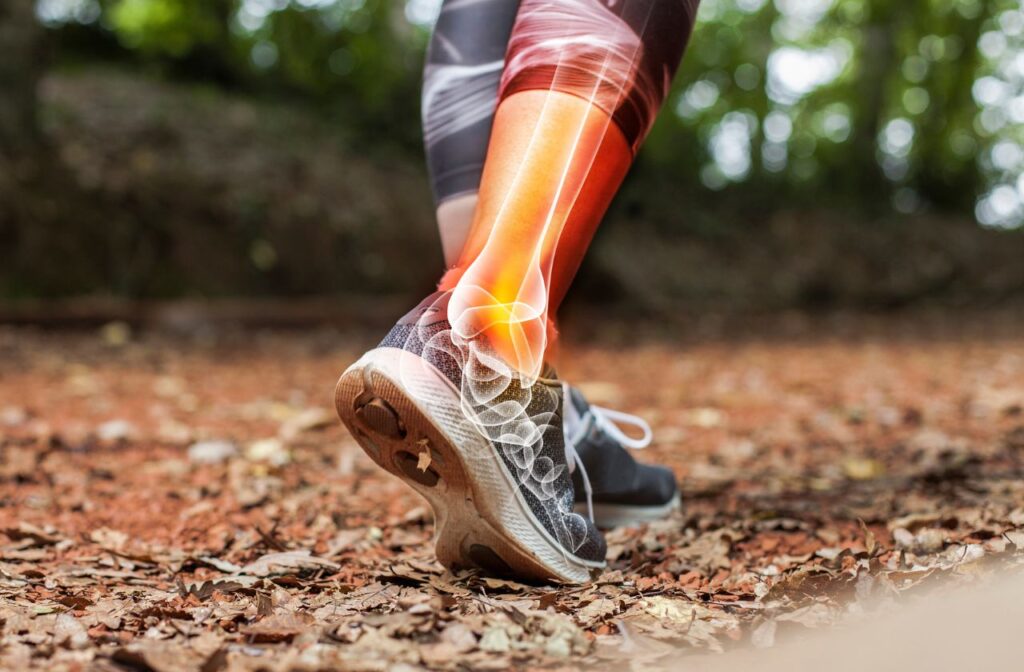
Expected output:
(619, 54)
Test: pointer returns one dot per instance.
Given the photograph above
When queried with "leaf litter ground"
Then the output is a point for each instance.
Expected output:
(171, 503)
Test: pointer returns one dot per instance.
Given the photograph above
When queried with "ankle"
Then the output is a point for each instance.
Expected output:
(450, 279)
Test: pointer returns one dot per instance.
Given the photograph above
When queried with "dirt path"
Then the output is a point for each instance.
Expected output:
(175, 504)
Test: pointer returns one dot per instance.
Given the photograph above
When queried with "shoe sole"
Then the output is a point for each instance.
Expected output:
(407, 417)
(622, 515)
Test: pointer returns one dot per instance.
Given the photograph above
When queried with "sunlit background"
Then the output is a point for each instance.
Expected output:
(789, 120)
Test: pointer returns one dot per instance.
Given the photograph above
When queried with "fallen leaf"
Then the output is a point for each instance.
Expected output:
(69, 632)
(211, 452)
(278, 628)
(287, 562)
(423, 461)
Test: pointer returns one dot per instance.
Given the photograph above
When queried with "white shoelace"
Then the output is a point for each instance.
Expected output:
(607, 419)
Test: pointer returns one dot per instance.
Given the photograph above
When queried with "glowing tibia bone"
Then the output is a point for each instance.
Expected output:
(544, 147)
(553, 162)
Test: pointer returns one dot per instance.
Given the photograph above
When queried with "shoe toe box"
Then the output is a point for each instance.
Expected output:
(656, 485)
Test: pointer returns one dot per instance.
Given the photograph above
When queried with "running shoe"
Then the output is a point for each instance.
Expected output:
(622, 490)
(485, 449)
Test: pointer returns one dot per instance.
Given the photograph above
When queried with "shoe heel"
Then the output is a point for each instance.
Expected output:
(378, 413)
(477, 526)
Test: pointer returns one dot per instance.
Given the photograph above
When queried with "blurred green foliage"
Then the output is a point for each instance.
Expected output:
(868, 104)
(359, 59)
(172, 28)
(811, 152)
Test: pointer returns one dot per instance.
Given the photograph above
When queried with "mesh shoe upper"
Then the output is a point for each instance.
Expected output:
(615, 477)
(523, 423)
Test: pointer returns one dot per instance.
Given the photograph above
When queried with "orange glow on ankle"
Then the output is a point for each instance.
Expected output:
(553, 165)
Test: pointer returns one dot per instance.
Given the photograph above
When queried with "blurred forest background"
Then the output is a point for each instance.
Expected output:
(813, 153)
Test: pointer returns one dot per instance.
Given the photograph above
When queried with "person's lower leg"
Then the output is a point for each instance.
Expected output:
(465, 60)
(580, 88)
(554, 164)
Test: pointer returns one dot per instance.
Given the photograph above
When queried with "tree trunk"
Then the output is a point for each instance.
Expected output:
(26, 210)
(877, 57)
(19, 77)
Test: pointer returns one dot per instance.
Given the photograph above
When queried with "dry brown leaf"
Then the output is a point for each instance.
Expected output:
(288, 562)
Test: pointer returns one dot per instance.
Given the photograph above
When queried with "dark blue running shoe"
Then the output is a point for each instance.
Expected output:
(623, 491)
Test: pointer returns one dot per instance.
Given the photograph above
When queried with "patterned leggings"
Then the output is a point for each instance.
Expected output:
(620, 55)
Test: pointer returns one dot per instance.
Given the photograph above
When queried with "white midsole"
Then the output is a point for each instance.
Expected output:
(438, 399)
(624, 515)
